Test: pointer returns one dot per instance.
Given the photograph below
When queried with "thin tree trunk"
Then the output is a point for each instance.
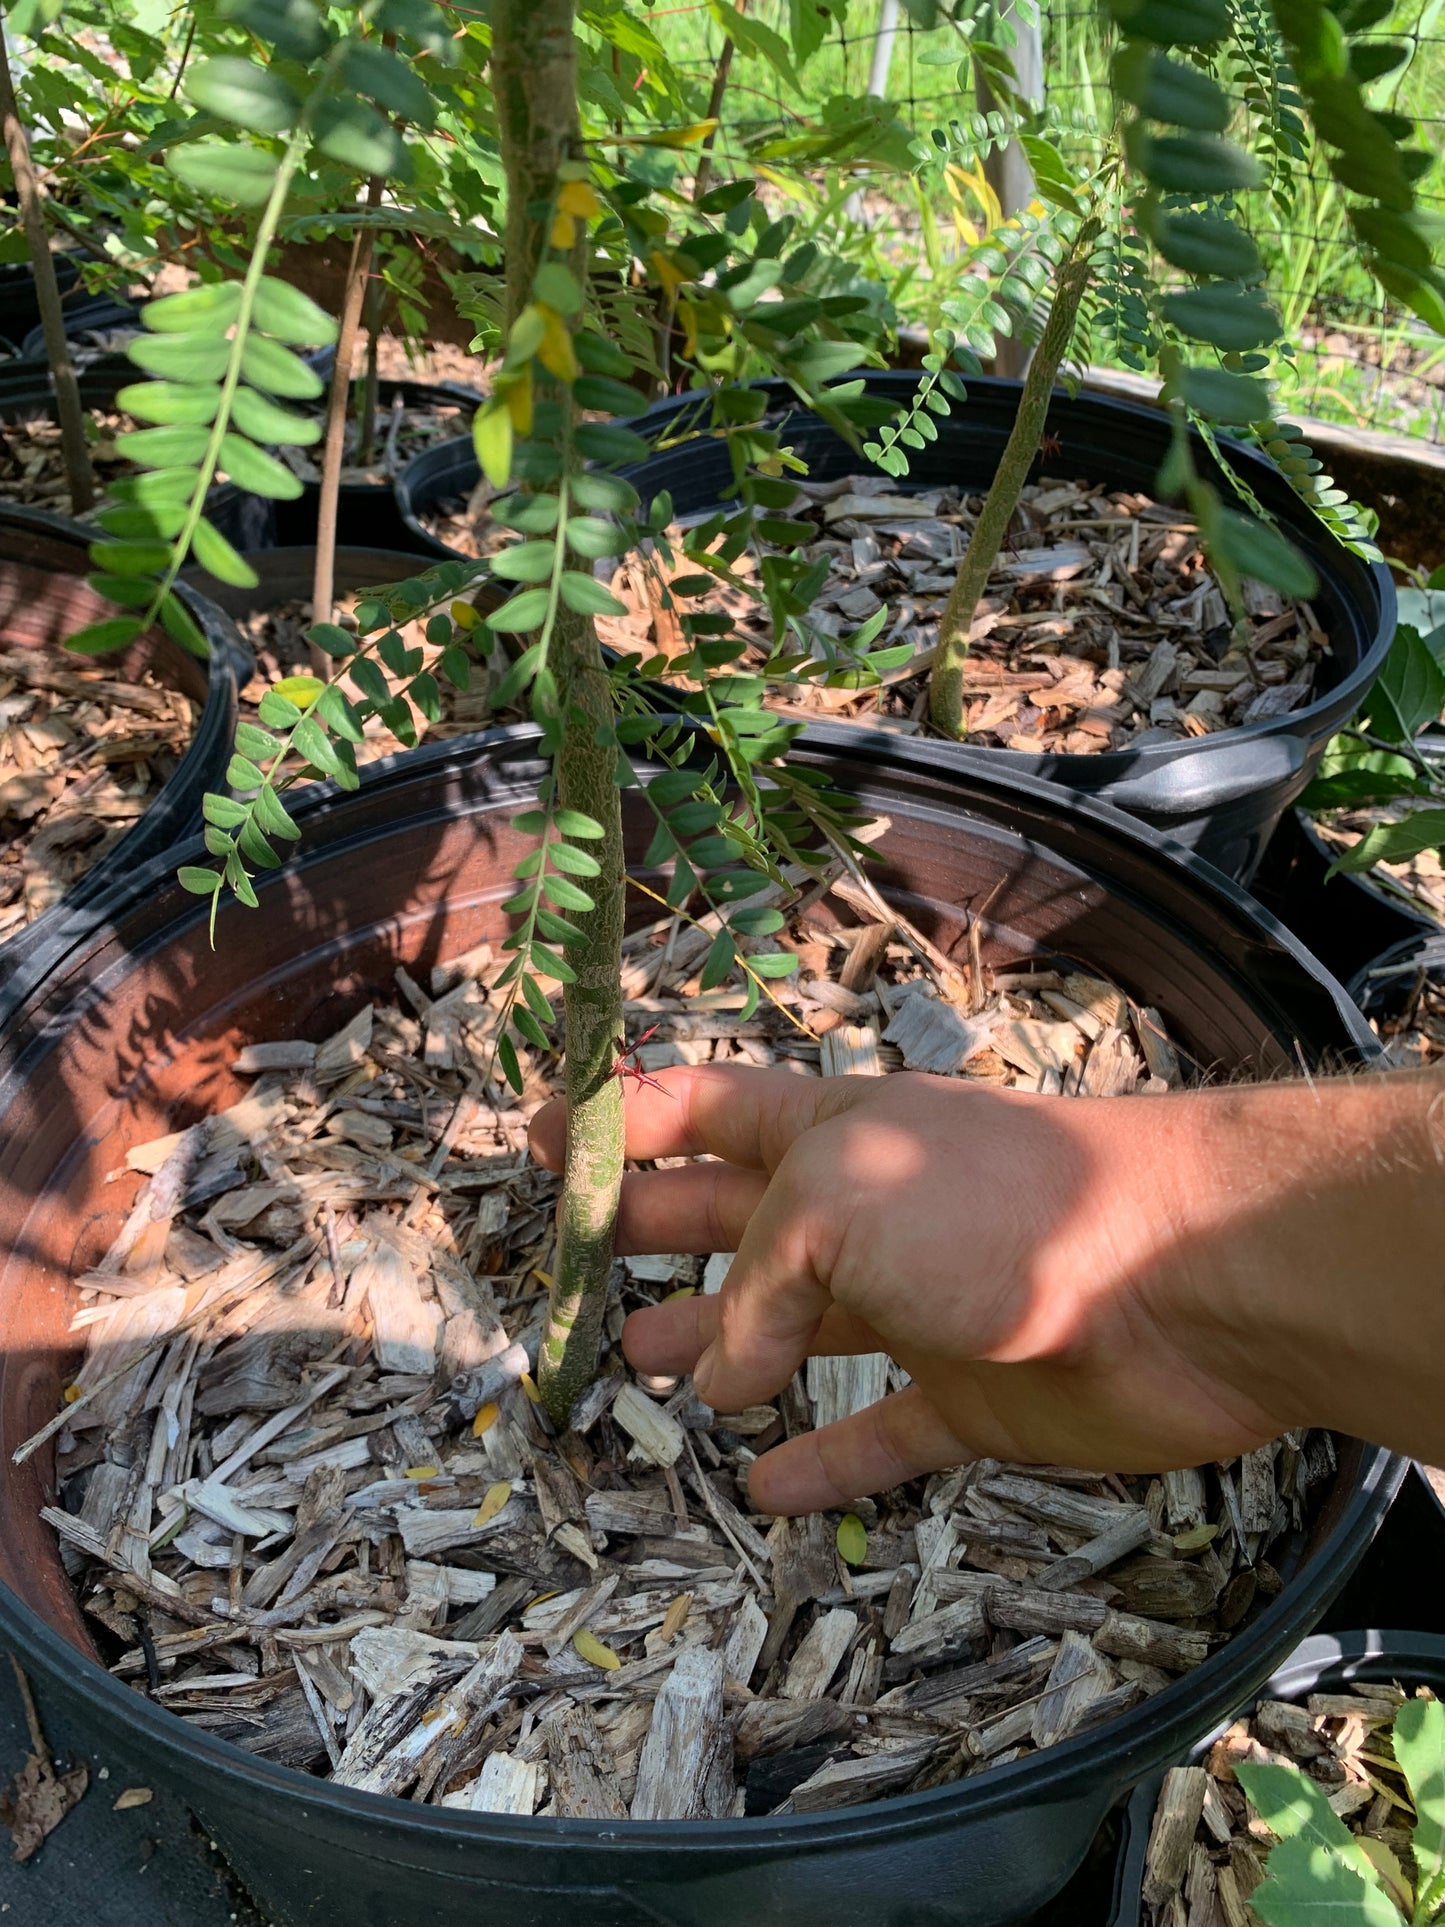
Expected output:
(366, 425)
(78, 473)
(534, 74)
(945, 699)
(714, 112)
(323, 581)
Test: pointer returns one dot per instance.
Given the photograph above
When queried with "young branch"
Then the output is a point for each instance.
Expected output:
(78, 473)
(358, 270)
(945, 702)
(534, 74)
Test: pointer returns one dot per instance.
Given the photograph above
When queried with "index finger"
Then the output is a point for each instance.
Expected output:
(739, 1112)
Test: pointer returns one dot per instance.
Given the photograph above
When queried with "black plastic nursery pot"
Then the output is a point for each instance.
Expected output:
(1221, 795)
(27, 393)
(284, 575)
(1325, 1664)
(19, 308)
(1347, 921)
(133, 1032)
(446, 472)
(43, 599)
(368, 514)
(91, 323)
(1383, 984)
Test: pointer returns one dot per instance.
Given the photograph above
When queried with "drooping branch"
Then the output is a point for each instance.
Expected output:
(79, 476)
(534, 72)
(945, 702)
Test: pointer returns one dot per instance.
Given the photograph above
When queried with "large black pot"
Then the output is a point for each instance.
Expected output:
(133, 1032)
(285, 575)
(368, 514)
(27, 393)
(1345, 920)
(91, 323)
(19, 308)
(44, 598)
(1221, 795)
(1325, 1664)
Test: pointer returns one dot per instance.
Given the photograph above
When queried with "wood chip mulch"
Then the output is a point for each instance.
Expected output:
(1102, 628)
(309, 1503)
(1208, 1847)
(82, 757)
(32, 468)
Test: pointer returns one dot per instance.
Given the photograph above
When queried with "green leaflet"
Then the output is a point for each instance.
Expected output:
(266, 364)
(183, 357)
(1259, 551)
(291, 316)
(208, 310)
(1204, 244)
(252, 468)
(1419, 1737)
(214, 553)
(1195, 164)
(1225, 397)
(239, 90)
(264, 420)
(170, 402)
(164, 447)
(1223, 315)
(359, 137)
(239, 176)
(104, 638)
(385, 78)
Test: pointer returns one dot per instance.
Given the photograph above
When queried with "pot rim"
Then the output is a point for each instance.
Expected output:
(1109, 765)
(1101, 1762)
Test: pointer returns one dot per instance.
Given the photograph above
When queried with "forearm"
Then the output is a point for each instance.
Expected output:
(1313, 1251)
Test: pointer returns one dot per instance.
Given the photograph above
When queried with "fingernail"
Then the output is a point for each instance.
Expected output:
(702, 1373)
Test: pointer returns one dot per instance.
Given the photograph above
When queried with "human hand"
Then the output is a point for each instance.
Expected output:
(1061, 1278)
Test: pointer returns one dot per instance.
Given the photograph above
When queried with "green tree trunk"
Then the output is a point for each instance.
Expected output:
(534, 72)
(945, 696)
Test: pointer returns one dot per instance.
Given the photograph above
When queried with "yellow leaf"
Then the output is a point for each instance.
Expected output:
(1389, 1869)
(300, 689)
(563, 232)
(134, 1796)
(852, 1539)
(1196, 1539)
(497, 1497)
(688, 136)
(544, 1278)
(422, 1471)
(667, 271)
(683, 1291)
(589, 1647)
(71, 1394)
(484, 1421)
(676, 1617)
(515, 390)
(578, 197)
(687, 315)
(529, 1386)
(555, 351)
(492, 440)
(464, 615)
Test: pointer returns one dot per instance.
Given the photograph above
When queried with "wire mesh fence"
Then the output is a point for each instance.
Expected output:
(1356, 357)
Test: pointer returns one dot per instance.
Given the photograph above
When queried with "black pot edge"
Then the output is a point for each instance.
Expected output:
(350, 574)
(1372, 1654)
(1069, 1772)
(876, 750)
(1404, 951)
(169, 820)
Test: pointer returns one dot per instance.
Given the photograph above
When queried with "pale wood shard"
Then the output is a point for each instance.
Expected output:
(849, 1783)
(659, 1438)
(1181, 1802)
(408, 1326)
(676, 1771)
(933, 1035)
(580, 1768)
(504, 1785)
(1081, 1676)
(1098, 1554)
(851, 1051)
(839, 1387)
(744, 1642)
(819, 1655)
